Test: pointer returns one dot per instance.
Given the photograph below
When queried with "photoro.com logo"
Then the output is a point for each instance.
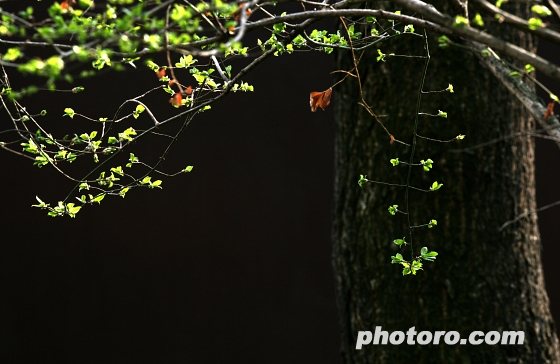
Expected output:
(412, 337)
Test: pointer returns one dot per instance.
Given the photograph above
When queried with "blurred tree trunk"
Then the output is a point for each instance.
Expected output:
(483, 279)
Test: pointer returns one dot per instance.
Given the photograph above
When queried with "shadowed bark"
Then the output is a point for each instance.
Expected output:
(483, 279)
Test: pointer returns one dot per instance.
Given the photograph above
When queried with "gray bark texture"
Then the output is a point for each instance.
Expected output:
(483, 279)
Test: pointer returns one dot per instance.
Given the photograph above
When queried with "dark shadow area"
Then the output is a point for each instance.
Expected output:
(229, 263)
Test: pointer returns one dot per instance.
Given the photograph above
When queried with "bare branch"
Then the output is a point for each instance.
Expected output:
(555, 10)
(527, 213)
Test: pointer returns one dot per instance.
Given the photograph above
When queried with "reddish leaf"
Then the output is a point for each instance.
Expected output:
(188, 91)
(67, 4)
(237, 13)
(549, 110)
(176, 100)
(160, 73)
(320, 99)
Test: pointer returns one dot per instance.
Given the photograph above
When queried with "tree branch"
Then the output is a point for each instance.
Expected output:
(517, 22)
(522, 92)
(554, 8)
(432, 14)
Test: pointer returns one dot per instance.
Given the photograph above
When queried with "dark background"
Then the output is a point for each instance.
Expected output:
(230, 263)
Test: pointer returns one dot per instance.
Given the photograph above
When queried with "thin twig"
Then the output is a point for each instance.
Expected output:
(527, 213)
(414, 135)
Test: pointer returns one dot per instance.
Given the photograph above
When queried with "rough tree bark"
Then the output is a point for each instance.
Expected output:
(484, 279)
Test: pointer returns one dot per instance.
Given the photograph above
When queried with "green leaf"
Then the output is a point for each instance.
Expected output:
(460, 137)
(186, 61)
(541, 10)
(500, 2)
(69, 112)
(73, 210)
(397, 259)
(432, 223)
(123, 192)
(395, 161)
(535, 23)
(41, 203)
(128, 134)
(436, 186)
(416, 266)
(529, 68)
(450, 88)
(118, 170)
(187, 169)
(12, 54)
(362, 180)
(278, 28)
(478, 20)
(98, 198)
(381, 56)
(155, 184)
(443, 41)
(101, 61)
(442, 114)
(427, 164)
(427, 255)
(393, 209)
(399, 242)
(460, 21)
(132, 159)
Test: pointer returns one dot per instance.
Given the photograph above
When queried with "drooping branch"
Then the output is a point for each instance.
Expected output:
(522, 92)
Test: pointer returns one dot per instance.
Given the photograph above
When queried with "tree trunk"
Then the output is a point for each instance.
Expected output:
(483, 279)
